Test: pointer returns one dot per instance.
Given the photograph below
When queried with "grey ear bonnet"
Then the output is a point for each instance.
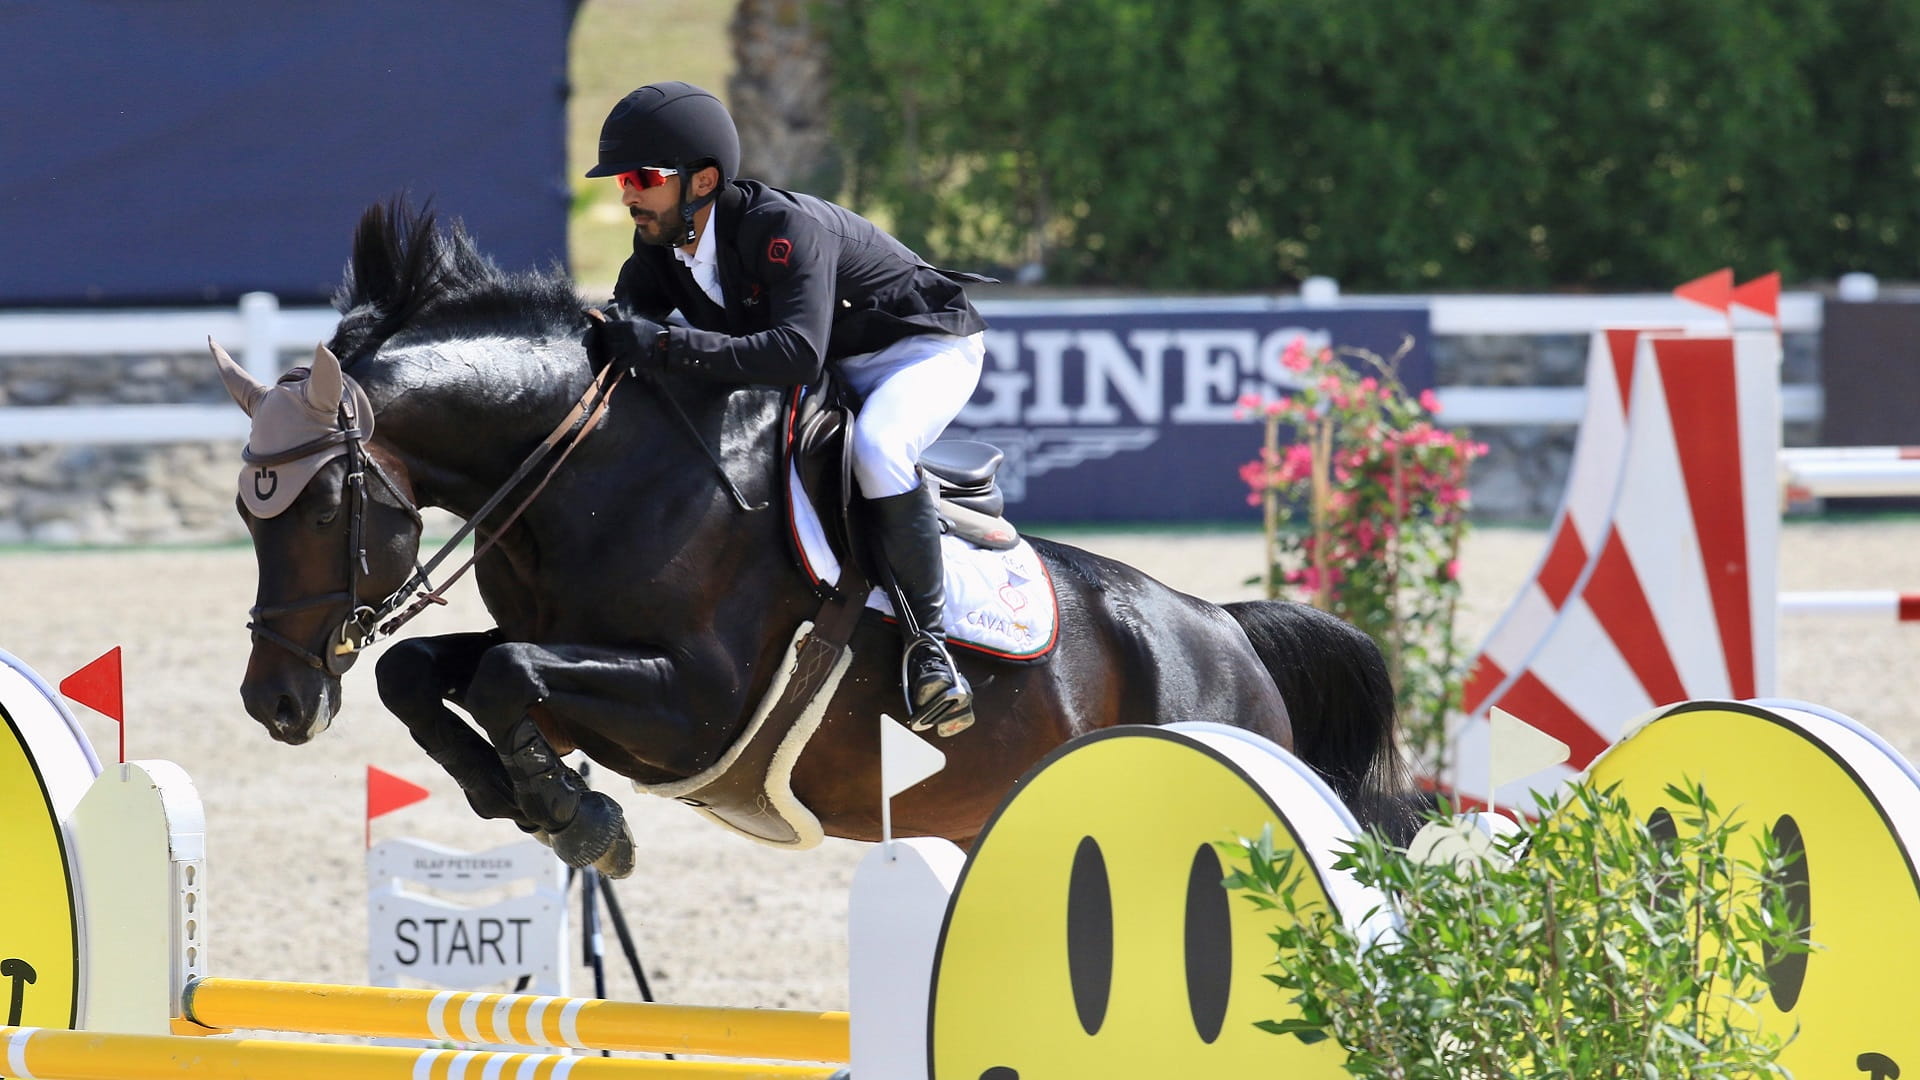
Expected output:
(304, 407)
(284, 420)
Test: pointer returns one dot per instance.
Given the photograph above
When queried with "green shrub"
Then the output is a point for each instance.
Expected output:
(1587, 946)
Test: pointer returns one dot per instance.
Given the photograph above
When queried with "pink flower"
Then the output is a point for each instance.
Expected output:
(1453, 570)
(1294, 356)
(1430, 401)
(1248, 401)
(1279, 408)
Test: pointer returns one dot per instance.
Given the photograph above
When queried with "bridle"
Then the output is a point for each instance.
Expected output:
(363, 624)
(356, 630)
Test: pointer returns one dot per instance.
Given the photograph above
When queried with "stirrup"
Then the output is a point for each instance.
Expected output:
(951, 713)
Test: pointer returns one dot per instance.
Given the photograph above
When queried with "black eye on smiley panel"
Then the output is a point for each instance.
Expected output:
(1209, 944)
(1089, 935)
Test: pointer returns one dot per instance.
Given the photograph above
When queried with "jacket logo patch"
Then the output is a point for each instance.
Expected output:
(779, 250)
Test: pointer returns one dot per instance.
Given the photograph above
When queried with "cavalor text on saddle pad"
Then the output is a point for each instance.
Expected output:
(998, 602)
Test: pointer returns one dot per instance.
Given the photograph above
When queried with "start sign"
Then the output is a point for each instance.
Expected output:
(423, 937)
(46, 765)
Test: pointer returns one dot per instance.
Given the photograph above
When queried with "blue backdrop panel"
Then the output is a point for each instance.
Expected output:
(169, 152)
(1125, 412)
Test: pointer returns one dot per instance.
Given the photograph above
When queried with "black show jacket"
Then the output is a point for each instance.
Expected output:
(806, 282)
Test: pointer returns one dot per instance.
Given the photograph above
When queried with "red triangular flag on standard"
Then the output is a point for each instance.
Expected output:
(387, 792)
(1715, 290)
(1762, 294)
(97, 686)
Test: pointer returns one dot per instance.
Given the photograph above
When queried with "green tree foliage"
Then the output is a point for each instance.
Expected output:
(1455, 143)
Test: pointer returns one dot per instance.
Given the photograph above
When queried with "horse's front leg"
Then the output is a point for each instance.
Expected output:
(416, 677)
(585, 688)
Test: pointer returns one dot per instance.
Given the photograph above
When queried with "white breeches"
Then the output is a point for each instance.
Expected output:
(913, 389)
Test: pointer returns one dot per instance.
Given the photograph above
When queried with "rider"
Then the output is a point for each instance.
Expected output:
(775, 284)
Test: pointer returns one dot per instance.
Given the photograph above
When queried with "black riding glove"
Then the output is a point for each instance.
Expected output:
(632, 341)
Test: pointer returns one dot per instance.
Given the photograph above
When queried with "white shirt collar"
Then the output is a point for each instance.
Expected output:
(702, 247)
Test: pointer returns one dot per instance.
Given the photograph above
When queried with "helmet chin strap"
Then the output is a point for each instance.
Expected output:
(690, 207)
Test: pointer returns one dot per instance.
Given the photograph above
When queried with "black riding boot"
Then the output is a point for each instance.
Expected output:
(937, 694)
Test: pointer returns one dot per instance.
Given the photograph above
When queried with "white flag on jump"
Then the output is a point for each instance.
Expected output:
(1520, 749)
(905, 758)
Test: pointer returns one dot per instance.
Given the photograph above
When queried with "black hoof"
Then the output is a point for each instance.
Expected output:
(597, 829)
(618, 861)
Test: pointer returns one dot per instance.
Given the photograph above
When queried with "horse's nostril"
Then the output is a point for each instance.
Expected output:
(1877, 1066)
(1000, 1072)
(288, 725)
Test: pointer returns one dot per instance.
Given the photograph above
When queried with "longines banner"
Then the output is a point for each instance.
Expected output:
(1116, 411)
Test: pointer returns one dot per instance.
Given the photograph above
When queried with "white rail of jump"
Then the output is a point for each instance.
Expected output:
(258, 330)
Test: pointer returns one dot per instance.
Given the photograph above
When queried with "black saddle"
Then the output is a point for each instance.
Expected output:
(962, 472)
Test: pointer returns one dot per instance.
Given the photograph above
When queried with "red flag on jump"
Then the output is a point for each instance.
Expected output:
(387, 793)
(97, 686)
(1714, 290)
(1762, 294)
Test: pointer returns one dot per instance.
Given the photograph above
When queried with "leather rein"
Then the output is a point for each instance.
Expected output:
(363, 625)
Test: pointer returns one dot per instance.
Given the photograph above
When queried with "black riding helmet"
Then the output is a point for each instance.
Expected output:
(672, 125)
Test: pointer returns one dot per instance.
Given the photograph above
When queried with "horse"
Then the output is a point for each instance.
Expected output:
(642, 603)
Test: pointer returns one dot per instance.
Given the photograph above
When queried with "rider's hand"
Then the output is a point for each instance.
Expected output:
(634, 342)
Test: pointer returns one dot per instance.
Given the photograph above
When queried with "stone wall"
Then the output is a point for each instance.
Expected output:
(184, 493)
(116, 494)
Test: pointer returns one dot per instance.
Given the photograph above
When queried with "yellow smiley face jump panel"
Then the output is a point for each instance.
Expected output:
(46, 767)
(1831, 789)
(1090, 936)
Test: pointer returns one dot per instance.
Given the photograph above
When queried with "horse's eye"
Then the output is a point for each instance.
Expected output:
(328, 518)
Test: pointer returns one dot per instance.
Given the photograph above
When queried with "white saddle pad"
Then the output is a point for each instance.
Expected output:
(998, 602)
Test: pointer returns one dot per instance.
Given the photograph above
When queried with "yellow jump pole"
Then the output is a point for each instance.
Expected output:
(517, 1020)
(48, 1054)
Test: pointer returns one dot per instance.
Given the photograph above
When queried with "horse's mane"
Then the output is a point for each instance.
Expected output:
(410, 282)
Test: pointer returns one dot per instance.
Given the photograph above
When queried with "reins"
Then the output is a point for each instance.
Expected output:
(572, 430)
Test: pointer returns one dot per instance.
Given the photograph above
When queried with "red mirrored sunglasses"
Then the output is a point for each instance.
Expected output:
(642, 179)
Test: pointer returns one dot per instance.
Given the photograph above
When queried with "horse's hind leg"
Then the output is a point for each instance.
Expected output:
(416, 677)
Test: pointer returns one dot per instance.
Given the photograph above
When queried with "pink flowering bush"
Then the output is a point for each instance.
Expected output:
(1365, 512)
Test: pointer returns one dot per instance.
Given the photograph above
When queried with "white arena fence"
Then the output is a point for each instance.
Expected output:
(259, 330)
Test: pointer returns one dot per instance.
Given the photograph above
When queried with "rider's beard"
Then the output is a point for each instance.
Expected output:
(653, 229)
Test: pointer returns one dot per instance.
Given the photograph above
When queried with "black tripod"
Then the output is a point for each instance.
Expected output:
(595, 889)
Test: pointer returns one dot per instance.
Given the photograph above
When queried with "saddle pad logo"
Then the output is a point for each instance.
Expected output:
(779, 250)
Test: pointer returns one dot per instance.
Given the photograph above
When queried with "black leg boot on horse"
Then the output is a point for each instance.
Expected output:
(585, 827)
(938, 696)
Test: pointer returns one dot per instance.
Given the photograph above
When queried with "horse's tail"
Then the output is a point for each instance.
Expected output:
(1340, 698)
